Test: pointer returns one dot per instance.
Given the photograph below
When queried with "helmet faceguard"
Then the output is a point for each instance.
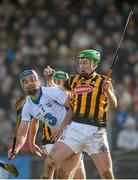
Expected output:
(26, 74)
(92, 55)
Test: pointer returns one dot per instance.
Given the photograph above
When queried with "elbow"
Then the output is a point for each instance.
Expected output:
(114, 105)
(23, 138)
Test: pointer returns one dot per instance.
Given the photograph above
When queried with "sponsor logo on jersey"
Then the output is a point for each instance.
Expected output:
(83, 89)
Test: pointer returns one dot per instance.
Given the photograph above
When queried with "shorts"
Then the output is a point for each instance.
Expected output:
(85, 138)
(47, 148)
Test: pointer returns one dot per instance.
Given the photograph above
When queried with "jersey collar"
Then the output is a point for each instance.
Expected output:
(37, 100)
(91, 75)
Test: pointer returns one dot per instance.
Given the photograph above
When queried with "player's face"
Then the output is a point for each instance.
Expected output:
(59, 82)
(30, 85)
(86, 65)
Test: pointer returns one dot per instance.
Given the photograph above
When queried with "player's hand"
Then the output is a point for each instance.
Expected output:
(11, 155)
(36, 150)
(106, 86)
(48, 72)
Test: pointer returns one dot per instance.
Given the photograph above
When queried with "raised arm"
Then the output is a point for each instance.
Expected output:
(48, 73)
(110, 94)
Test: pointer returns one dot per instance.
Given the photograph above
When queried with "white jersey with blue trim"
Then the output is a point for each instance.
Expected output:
(49, 106)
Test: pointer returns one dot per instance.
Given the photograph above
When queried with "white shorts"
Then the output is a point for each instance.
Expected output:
(47, 148)
(85, 138)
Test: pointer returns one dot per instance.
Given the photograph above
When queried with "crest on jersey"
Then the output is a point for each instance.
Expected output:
(83, 89)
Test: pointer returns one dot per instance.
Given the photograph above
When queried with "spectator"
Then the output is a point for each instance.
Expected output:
(128, 136)
(6, 131)
(33, 35)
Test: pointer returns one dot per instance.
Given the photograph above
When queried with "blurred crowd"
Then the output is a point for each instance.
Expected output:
(34, 34)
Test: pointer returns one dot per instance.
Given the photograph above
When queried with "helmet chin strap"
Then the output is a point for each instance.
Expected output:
(93, 69)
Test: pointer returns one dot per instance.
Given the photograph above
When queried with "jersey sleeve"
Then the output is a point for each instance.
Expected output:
(58, 95)
(26, 116)
(66, 85)
(69, 82)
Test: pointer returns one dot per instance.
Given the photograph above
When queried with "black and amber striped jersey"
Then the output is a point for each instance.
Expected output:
(47, 135)
(89, 103)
